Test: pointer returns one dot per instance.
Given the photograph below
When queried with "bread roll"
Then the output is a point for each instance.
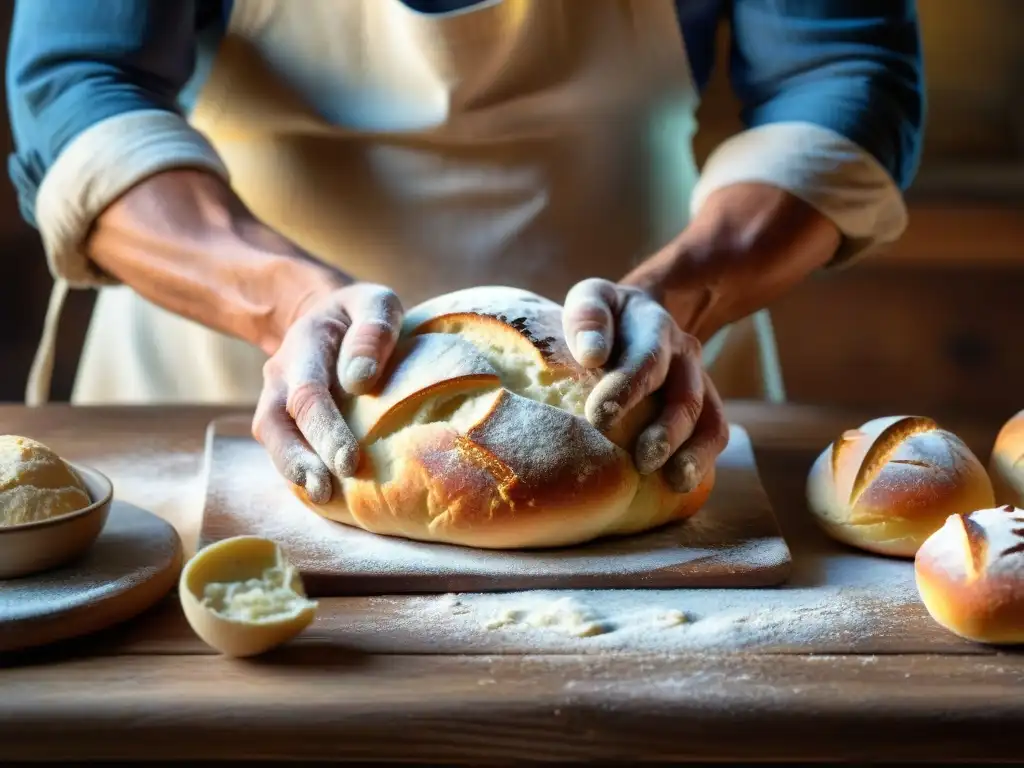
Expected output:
(970, 575)
(1006, 465)
(477, 437)
(35, 483)
(887, 486)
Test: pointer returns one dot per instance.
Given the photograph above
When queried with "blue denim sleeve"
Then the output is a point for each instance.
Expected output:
(852, 66)
(74, 63)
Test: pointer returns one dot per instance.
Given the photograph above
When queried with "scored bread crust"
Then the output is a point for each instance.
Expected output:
(1006, 464)
(477, 436)
(888, 485)
(970, 575)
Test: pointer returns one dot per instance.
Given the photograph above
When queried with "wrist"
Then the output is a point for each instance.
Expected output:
(747, 246)
(183, 240)
(293, 284)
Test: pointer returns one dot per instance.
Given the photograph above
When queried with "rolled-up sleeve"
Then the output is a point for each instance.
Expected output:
(92, 90)
(832, 97)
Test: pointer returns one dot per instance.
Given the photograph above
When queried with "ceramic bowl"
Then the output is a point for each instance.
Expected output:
(35, 547)
(240, 559)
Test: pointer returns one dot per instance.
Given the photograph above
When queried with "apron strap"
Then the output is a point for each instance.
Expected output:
(773, 388)
(40, 377)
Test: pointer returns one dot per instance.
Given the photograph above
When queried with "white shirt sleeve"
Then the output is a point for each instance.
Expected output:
(834, 175)
(97, 167)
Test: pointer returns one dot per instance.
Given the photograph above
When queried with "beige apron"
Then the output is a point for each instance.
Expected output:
(531, 143)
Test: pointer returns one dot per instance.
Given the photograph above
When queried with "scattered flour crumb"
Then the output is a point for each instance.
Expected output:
(566, 616)
(454, 605)
(672, 618)
(504, 619)
(877, 601)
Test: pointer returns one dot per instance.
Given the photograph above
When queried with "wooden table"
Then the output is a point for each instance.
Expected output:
(151, 691)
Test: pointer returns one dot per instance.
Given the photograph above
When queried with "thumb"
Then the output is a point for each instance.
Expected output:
(588, 321)
(375, 314)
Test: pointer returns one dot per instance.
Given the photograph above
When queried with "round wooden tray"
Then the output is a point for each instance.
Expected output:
(134, 563)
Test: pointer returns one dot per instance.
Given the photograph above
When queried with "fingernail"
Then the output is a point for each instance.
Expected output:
(652, 450)
(360, 369)
(345, 461)
(683, 474)
(590, 345)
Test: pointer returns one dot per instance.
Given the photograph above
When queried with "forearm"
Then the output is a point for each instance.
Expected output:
(184, 241)
(831, 95)
(748, 245)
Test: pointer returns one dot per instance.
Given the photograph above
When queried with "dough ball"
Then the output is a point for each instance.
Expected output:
(35, 483)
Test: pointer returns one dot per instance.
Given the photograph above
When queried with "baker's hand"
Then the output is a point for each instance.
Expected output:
(345, 337)
(651, 353)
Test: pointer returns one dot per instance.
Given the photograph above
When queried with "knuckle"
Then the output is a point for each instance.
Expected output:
(687, 344)
(594, 285)
(303, 398)
(588, 314)
(689, 409)
(371, 330)
(272, 369)
(595, 290)
(331, 328)
(652, 366)
(258, 426)
(720, 435)
(379, 305)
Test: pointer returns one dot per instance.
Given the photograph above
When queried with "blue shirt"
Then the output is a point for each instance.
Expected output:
(852, 66)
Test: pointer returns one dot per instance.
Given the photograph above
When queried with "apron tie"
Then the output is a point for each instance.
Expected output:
(40, 377)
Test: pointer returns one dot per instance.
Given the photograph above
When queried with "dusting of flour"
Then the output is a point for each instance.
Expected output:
(824, 618)
(251, 499)
(842, 602)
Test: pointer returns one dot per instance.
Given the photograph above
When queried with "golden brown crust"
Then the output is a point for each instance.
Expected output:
(477, 437)
(970, 575)
(888, 485)
(1006, 465)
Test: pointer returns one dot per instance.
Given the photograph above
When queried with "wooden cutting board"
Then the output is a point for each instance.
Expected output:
(134, 563)
(733, 542)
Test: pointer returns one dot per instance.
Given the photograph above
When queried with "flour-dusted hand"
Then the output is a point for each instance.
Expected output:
(643, 350)
(344, 338)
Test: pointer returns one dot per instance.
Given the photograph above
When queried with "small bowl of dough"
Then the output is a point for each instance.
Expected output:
(51, 510)
(890, 484)
(970, 575)
(242, 597)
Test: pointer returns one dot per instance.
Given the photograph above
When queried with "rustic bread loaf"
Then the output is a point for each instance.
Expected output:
(1006, 465)
(887, 486)
(970, 575)
(477, 436)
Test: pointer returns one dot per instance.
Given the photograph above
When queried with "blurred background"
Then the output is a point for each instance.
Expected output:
(934, 324)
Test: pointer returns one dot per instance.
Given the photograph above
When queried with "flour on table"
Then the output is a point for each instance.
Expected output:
(254, 500)
(564, 615)
(170, 485)
(861, 599)
(672, 618)
(841, 601)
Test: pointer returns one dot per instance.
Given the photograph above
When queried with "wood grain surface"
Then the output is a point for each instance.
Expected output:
(501, 709)
(149, 691)
(734, 541)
